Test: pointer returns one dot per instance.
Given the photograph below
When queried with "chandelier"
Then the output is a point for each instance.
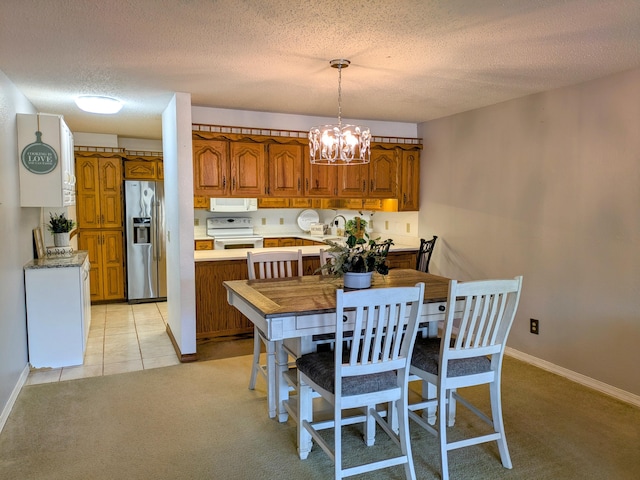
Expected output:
(339, 144)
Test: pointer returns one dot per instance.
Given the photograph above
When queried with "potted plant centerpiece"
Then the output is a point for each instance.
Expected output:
(60, 226)
(358, 257)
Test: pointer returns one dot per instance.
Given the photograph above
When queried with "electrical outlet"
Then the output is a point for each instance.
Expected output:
(282, 221)
(408, 228)
(196, 222)
(386, 224)
(534, 326)
(264, 221)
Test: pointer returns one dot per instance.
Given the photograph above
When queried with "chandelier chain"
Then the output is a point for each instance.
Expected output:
(340, 95)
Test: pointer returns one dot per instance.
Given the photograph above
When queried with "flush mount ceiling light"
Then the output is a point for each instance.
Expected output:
(98, 104)
(340, 144)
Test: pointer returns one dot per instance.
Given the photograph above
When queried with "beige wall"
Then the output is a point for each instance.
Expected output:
(16, 247)
(548, 186)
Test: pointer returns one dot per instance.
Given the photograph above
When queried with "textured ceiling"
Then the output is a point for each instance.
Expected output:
(412, 60)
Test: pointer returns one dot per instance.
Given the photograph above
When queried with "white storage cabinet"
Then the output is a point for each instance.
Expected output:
(58, 187)
(58, 310)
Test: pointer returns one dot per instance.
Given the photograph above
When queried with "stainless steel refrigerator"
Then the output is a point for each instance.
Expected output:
(145, 234)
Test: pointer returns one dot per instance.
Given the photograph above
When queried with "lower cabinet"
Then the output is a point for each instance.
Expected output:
(58, 311)
(106, 254)
(216, 318)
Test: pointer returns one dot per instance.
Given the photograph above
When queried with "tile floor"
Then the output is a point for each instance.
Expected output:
(122, 338)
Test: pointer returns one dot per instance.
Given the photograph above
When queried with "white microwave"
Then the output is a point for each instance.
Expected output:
(233, 205)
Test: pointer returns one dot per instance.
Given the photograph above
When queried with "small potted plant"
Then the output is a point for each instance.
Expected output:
(60, 226)
(357, 259)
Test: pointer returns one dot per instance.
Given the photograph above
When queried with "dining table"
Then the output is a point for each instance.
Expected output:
(292, 311)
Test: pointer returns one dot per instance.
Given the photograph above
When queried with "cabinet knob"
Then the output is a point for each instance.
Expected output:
(442, 308)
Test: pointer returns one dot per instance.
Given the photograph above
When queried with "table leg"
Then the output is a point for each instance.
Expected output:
(281, 387)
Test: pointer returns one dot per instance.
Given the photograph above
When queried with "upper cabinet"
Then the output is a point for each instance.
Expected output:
(45, 157)
(247, 169)
(319, 180)
(222, 168)
(377, 179)
(277, 170)
(99, 192)
(285, 170)
(409, 195)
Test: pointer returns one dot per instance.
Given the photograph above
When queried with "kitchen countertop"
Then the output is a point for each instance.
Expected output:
(307, 251)
(76, 259)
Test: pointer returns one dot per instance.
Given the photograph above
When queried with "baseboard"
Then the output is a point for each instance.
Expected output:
(602, 387)
(14, 395)
(183, 357)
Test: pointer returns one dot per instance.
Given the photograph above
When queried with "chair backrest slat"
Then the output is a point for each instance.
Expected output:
(485, 320)
(276, 264)
(384, 327)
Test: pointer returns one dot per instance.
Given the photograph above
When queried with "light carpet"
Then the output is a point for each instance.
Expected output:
(199, 421)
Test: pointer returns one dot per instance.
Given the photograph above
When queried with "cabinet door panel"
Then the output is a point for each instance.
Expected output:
(247, 169)
(285, 170)
(90, 241)
(210, 167)
(88, 196)
(383, 174)
(113, 265)
(319, 180)
(111, 193)
(353, 180)
(410, 181)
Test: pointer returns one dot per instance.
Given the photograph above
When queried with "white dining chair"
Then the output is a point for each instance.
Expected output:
(478, 318)
(373, 373)
(326, 258)
(275, 264)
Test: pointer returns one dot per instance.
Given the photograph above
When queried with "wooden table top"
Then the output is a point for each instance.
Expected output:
(312, 294)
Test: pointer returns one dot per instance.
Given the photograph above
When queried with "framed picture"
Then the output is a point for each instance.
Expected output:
(39, 242)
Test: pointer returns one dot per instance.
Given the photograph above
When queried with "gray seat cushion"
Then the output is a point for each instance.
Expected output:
(426, 357)
(320, 367)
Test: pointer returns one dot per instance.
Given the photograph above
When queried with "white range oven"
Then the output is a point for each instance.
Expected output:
(233, 232)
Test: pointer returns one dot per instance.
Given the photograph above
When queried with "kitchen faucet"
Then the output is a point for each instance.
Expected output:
(335, 222)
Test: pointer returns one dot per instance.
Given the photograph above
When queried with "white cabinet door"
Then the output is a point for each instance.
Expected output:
(46, 160)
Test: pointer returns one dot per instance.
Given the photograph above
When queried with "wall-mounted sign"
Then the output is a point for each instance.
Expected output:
(39, 157)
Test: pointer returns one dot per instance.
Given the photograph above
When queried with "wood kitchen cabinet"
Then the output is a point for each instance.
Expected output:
(285, 170)
(409, 194)
(99, 198)
(140, 170)
(214, 316)
(377, 179)
(319, 180)
(100, 224)
(210, 167)
(106, 255)
(277, 170)
(222, 168)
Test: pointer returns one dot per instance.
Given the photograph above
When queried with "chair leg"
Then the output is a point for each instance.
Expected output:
(442, 435)
(337, 443)
(255, 365)
(404, 437)
(370, 426)
(451, 407)
(430, 392)
(498, 424)
(305, 413)
(271, 378)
